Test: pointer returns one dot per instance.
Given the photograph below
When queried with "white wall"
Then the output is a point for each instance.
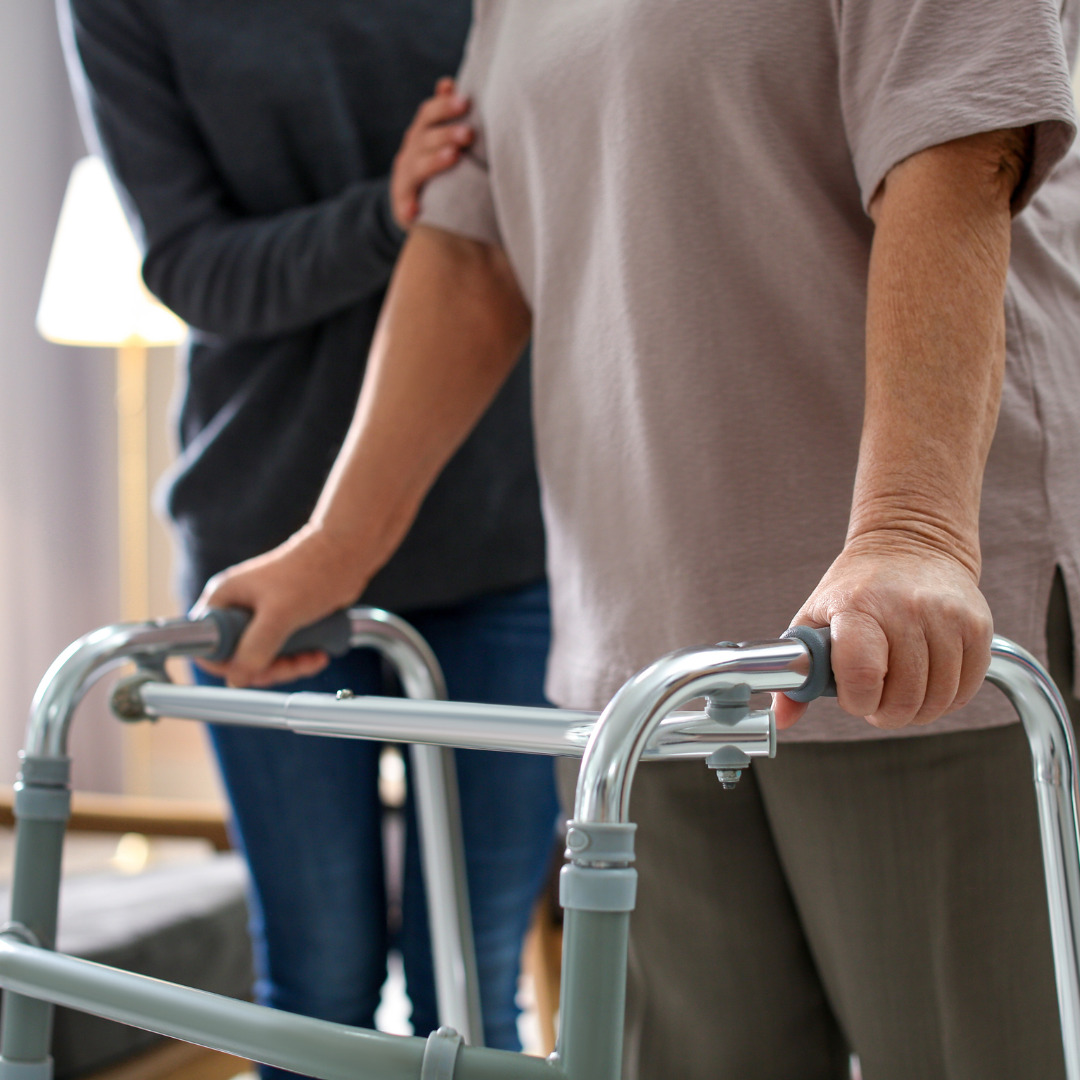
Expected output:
(57, 455)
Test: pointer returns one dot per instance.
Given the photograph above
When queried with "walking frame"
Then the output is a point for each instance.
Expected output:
(597, 887)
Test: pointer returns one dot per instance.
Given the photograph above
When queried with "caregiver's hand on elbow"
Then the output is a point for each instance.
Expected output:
(307, 577)
(910, 631)
(433, 143)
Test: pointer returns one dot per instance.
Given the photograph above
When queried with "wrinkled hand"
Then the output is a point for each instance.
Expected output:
(910, 632)
(432, 144)
(307, 577)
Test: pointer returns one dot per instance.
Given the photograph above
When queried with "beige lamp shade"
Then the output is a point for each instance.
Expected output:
(93, 292)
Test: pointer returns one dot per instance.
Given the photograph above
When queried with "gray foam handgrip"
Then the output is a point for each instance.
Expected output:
(330, 635)
(820, 681)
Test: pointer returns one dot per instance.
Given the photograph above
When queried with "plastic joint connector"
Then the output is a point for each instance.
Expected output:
(592, 888)
(20, 933)
(606, 843)
(26, 1070)
(41, 790)
(42, 803)
(440, 1055)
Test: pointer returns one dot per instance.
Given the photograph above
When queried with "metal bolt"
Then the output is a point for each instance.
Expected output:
(344, 695)
(728, 777)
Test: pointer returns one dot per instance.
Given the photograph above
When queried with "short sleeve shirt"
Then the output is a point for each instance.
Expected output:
(681, 188)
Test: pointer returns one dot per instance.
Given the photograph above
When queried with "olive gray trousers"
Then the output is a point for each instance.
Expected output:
(884, 898)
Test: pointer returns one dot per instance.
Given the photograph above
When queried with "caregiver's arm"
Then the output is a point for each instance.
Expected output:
(452, 327)
(911, 630)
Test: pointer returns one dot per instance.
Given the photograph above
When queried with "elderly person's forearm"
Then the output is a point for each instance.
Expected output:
(935, 341)
(451, 329)
(911, 631)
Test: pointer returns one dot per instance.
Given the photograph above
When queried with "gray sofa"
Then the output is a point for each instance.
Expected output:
(184, 922)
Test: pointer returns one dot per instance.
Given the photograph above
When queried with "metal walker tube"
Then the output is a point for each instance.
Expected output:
(598, 885)
(43, 799)
(603, 795)
(1053, 752)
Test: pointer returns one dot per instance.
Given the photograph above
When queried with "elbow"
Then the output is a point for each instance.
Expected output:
(1001, 161)
(479, 273)
(980, 173)
(188, 284)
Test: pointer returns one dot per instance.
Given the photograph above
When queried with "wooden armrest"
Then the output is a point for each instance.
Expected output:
(92, 812)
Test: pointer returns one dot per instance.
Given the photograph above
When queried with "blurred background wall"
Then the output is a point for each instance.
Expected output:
(58, 488)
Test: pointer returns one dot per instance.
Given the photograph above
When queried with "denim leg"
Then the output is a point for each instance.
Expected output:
(492, 650)
(308, 819)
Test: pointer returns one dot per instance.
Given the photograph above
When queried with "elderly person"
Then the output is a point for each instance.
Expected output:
(271, 155)
(804, 283)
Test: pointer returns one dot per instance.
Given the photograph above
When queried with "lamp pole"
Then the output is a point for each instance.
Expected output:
(133, 474)
(93, 295)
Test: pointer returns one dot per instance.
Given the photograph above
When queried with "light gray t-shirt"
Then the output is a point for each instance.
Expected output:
(681, 186)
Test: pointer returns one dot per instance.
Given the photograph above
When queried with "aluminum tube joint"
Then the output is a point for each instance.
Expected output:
(416, 664)
(88, 658)
(626, 726)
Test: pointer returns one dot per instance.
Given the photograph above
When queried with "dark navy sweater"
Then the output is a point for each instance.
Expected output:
(252, 142)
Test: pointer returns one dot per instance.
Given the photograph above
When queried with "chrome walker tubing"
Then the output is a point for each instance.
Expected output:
(43, 801)
(1053, 754)
(598, 884)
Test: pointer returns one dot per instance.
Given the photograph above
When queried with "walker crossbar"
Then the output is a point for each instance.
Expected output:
(311, 1047)
(598, 884)
(43, 800)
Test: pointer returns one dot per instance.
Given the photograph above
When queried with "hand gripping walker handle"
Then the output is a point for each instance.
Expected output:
(820, 681)
(330, 635)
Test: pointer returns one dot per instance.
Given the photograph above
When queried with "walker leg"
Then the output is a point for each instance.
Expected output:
(42, 808)
(1053, 752)
(442, 851)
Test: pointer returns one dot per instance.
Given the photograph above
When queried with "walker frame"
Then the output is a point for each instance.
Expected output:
(596, 889)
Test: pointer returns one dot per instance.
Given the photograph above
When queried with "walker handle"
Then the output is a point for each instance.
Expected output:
(820, 682)
(329, 635)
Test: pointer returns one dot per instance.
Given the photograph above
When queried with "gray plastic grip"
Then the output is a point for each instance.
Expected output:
(330, 635)
(820, 681)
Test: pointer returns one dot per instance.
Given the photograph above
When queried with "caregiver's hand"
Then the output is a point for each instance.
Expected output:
(312, 574)
(910, 631)
(434, 142)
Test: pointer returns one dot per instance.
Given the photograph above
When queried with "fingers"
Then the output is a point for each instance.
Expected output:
(255, 661)
(910, 638)
(284, 669)
(432, 144)
(445, 106)
(786, 711)
(290, 668)
(860, 662)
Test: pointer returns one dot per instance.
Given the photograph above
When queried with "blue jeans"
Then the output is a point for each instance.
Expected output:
(309, 821)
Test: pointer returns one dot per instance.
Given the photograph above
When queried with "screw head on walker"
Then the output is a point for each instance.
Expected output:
(729, 762)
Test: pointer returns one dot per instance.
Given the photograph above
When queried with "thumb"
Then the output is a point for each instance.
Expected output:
(788, 712)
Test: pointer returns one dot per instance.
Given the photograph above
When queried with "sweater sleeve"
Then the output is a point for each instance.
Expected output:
(222, 271)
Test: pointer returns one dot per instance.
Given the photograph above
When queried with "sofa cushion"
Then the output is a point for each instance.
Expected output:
(183, 922)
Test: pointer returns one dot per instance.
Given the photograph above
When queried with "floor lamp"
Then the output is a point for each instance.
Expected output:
(94, 296)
